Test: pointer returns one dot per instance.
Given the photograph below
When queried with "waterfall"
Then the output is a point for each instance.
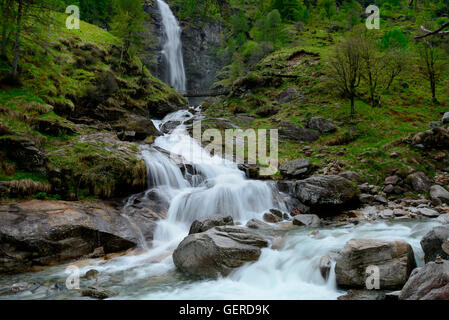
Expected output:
(172, 48)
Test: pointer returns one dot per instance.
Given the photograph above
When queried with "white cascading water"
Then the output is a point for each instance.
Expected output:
(289, 272)
(172, 48)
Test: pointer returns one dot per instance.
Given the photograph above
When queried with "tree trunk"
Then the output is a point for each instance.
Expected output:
(17, 43)
(352, 107)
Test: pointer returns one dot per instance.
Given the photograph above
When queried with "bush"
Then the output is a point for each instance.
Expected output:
(394, 39)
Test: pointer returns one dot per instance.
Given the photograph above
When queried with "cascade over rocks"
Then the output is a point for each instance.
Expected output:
(430, 282)
(218, 251)
(395, 260)
(327, 195)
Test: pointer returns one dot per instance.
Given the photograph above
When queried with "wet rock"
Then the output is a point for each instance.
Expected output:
(444, 218)
(419, 182)
(392, 296)
(439, 195)
(386, 214)
(91, 274)
(432, 243)
(325, 267)
(320, 124)
(327, 194)
(170, 126)
(290, 130)
(251, 170)
(395, 260)
(296, 169)
(269, 217)
(430, 282)
(210, 222)
(277, 213)
(427, 212)
(218, 251)
(25, 286)
(98, 292)
(43, 233)
(308, 220)
(257, 224)
(363, 295)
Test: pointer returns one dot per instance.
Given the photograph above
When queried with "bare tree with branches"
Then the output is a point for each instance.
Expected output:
(346, 68)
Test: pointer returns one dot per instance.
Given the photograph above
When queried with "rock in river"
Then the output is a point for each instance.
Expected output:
(430, 282)
(395, 260)
(432, 243)
(218, 251)
(208, 223)
(326, 195)
(41, 233)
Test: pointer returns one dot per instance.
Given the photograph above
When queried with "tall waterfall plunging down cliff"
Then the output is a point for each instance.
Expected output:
(172, 48)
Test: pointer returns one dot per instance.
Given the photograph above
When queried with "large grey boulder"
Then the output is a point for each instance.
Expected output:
(208, 223)
(431, 243)
(419, 182)
(290, 130)
(289, 95)
(439, 195)
(308, 220)
(320, 124)
(257, 224)
(296, 169)
(218, 251)
(445, 118)
(430, 282)
(326, 195)
(45, 233)
(394, 259)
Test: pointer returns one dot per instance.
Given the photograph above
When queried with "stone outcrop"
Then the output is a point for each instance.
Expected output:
(394, 259)
(432, 243)
(430, 282)
(320, 124)
(308, 220)
(217, 251)
(291, 131)
(43, 233)
(296, 169)
(439, 195)
(208, 223)
(327, 195)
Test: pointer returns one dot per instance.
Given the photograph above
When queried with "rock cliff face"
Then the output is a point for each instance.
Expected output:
(200, 43)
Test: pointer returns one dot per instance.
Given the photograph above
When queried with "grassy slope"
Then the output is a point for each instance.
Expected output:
(48, 79)
(404, 110)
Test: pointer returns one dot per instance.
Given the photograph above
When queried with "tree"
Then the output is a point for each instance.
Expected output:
(430, 64)
(395, 62)
(346, 68)
(328, 8)
(291, 10)
(269, 29)
(373, 67)
(7, 16)
(127, 25)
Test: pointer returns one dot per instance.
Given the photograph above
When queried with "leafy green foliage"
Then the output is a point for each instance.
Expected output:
(394, 39)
